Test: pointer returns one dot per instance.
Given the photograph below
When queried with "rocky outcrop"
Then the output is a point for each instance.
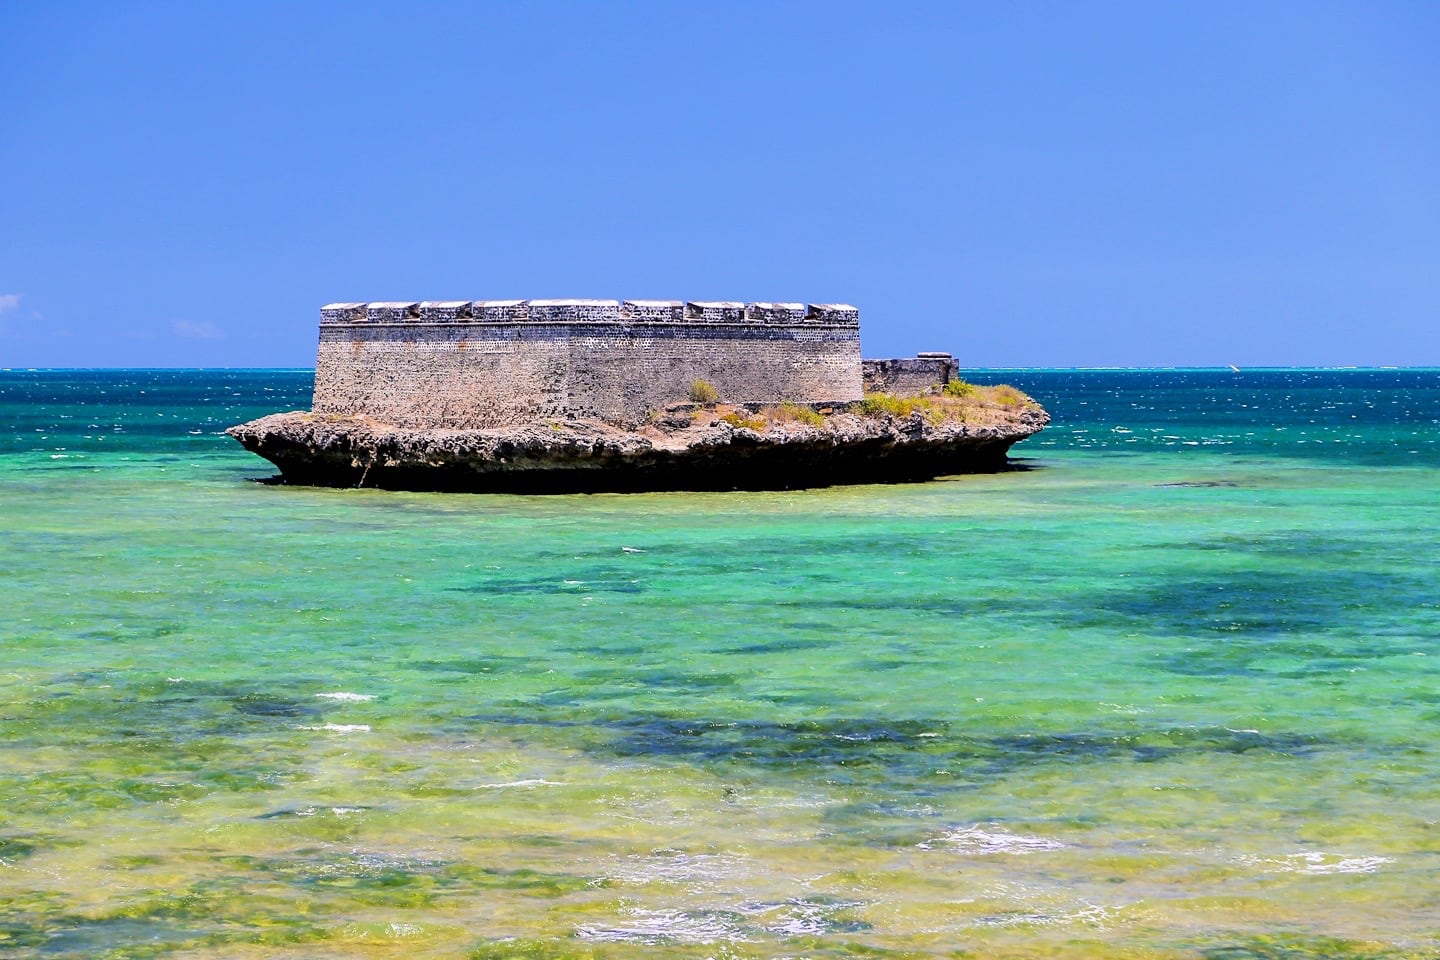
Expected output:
(682, 448)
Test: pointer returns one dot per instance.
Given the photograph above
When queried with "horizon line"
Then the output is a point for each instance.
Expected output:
(1220, 368)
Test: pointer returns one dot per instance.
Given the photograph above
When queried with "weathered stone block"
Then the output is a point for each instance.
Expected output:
(575, 311)
(342, 312)
(667, 311)
(444, 311)
(715, 311)
(776, 312)
(499, 311)
(833, 313)
(392, 311)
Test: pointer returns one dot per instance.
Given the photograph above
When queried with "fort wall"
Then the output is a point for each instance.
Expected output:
(490, 363)
(910, 376)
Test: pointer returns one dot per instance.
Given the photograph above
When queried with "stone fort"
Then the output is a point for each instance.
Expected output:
(469, 364)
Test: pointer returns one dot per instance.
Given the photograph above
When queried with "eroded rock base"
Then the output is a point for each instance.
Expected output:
(686, 451)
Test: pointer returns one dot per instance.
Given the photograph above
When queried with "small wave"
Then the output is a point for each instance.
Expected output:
(311, 811)
(1316, 863)
(675, 867)
(339, 727)
(976, 841)
(346, 696)
(1090, 913)
(658, 927)
(535, 782)
(806, 918)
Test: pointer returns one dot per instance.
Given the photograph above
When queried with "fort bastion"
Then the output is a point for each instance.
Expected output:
(473, 364)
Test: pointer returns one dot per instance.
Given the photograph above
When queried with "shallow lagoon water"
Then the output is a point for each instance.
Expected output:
(1172, 692)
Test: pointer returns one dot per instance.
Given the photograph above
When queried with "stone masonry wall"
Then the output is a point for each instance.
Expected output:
(911, 376)
(473, 364)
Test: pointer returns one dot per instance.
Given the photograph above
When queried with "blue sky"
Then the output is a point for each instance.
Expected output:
(1024, 184)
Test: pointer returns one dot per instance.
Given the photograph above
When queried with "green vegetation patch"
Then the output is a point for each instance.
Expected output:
(736, 419)
(889, 405)
(955, 402)
(795, 413)
(703, 391)
(958, 388)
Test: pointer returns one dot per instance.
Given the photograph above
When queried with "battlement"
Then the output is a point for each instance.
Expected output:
(589, 311)
(391, 311)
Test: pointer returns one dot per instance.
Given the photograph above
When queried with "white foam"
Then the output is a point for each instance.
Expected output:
(346, 696)
(337, 811)
(800, 917)
(535, 782)
(656, 927)
(339, 727)
(977, 841)
(1350, 865)
(678, 868)
(1089, 913)
(1316, 863)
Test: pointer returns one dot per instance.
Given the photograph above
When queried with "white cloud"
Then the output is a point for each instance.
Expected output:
(9, 301)
(196, 330)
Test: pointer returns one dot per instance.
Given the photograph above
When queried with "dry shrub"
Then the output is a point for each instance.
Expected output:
(703, 391)
(794, 413)
(957, 401)
(1008, 396)
(737, 419)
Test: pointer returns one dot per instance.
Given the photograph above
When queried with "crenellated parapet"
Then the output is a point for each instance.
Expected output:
(838, 313)
(777, 312)
(391, 311)
(500, 311)
(444, 311)
(574, 311)
(654, 311)
(590, 311)
(342, 313)
(715, 311)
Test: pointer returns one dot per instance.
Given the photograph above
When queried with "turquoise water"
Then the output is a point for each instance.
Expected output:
(1172, 692)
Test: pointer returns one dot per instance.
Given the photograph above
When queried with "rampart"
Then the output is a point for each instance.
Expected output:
(468, 364)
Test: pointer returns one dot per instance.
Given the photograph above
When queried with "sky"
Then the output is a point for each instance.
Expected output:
(1021, 183)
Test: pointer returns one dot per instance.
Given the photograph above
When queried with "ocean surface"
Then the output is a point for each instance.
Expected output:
(1172, 691)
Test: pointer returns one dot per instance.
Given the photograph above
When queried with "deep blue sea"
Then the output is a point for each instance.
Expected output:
(1170, 691)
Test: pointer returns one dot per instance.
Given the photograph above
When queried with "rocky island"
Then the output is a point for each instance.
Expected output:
(605, 395)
